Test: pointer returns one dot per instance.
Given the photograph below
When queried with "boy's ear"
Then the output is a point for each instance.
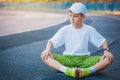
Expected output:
(84, 16)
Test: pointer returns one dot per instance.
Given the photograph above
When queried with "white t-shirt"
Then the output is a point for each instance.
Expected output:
(76, 40)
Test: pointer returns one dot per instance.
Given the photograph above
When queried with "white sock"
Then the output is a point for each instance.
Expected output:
(62, 69)
(92, 69)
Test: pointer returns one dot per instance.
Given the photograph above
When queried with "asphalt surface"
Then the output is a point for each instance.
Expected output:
(18, 21)
(19, 53)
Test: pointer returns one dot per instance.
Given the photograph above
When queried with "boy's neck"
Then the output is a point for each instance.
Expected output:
(78, 26)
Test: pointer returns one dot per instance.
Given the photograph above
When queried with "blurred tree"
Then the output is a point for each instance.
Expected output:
(91, 1)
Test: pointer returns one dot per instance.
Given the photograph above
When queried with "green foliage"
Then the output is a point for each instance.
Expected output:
(91, 1)
(77, 61)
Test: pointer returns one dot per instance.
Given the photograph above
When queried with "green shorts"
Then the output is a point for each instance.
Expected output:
(77, 61)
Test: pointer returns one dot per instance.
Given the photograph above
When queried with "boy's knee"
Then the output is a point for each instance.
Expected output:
(41, 56)
(108, 61)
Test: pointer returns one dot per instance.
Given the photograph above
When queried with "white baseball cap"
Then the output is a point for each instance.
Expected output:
(78, 8)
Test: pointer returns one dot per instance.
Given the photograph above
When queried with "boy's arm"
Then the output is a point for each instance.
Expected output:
(49, 46)
(107, 53)
(47, 51)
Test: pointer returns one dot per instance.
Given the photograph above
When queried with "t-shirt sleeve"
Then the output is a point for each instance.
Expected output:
(58, 38)
(96, 38)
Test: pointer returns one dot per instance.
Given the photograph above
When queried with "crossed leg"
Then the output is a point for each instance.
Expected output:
(53, 63)
(50, 61)
(102, 64)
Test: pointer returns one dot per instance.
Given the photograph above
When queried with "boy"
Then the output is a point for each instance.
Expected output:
(76, 37)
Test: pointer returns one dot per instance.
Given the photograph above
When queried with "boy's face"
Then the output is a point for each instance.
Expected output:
(76, 19)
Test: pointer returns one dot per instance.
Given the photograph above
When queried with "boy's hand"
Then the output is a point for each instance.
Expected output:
(45, 54)
(108, 55)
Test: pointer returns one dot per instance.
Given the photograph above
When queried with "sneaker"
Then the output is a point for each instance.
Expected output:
(84, 72)
(71, 72)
